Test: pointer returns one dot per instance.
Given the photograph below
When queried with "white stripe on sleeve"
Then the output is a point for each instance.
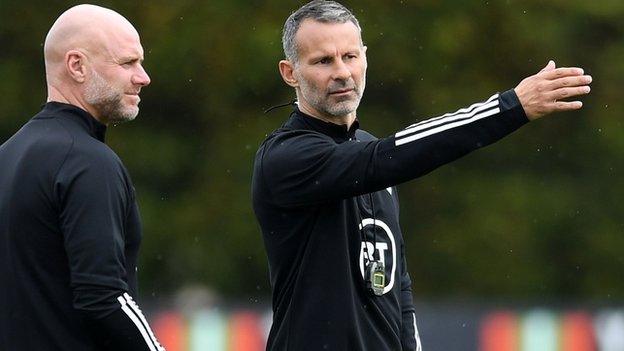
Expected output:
(138, 312)
(460, 111)
(445, 127)
(130, 308)
(446, 122)
(416, 335)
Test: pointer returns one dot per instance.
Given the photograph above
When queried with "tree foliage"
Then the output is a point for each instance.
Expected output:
(537, 215)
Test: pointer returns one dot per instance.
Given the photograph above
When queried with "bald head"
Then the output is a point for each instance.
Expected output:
(83, 51)
(86, 28)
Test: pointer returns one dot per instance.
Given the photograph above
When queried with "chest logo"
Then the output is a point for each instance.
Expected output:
(384, 249)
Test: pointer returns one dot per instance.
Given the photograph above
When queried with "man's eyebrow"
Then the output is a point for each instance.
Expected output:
(131, 58)
(323, 53)
(320, 56)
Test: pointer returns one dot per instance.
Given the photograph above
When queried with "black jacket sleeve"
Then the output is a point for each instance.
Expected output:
(303, 167)
(94, 203)
(125, 329)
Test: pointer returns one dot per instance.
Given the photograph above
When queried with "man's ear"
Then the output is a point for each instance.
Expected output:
(287, 70)
(75, 65)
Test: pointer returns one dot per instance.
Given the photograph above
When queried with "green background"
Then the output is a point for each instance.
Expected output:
(538, 215)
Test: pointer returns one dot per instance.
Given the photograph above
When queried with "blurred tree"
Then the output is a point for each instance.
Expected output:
(538, 215)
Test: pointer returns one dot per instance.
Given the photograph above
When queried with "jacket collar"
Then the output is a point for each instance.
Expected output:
(83, 118)
(338, 132)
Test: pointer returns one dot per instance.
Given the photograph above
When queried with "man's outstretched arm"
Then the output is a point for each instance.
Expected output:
(304, 167)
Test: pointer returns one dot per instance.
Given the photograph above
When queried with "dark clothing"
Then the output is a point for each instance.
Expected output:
(315, 184)
(69, 238)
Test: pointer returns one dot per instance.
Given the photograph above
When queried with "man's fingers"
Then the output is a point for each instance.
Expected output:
(546, 92)
(569, 92)
(567, 106)
(562, 72)
(549, 66)
(574, 81)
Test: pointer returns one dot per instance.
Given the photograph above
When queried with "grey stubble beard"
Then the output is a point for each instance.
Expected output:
(321, 103)
(107, 100)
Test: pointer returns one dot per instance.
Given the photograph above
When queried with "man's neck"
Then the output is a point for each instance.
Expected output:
(57, 95)
(339, 120)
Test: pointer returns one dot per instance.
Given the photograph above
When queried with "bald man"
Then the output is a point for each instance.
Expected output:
(69, 223)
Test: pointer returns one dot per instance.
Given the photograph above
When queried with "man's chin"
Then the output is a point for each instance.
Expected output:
(125, 116)
(343, 108)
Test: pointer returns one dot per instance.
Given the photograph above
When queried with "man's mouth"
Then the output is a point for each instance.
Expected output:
(341, 91)
(134, 96)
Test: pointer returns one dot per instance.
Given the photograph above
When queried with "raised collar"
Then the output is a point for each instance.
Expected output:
(338, 132)
(82, 117)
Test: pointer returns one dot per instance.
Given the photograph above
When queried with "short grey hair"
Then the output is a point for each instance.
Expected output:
(319, 10)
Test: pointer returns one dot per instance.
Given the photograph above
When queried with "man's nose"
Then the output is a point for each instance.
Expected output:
(140, 77)
(341, 71)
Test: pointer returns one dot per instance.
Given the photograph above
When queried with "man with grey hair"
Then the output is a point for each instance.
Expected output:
(324, 195)
(69, 222)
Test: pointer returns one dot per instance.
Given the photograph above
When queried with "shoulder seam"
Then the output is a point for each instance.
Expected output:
(71, 147)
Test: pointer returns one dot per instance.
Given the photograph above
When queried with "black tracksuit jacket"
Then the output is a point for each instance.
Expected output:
(69, 238)
(315, 185)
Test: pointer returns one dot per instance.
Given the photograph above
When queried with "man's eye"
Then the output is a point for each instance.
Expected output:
(324, 61)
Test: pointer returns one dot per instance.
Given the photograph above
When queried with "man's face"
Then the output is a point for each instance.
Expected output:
(331, 71)
(116, 78)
